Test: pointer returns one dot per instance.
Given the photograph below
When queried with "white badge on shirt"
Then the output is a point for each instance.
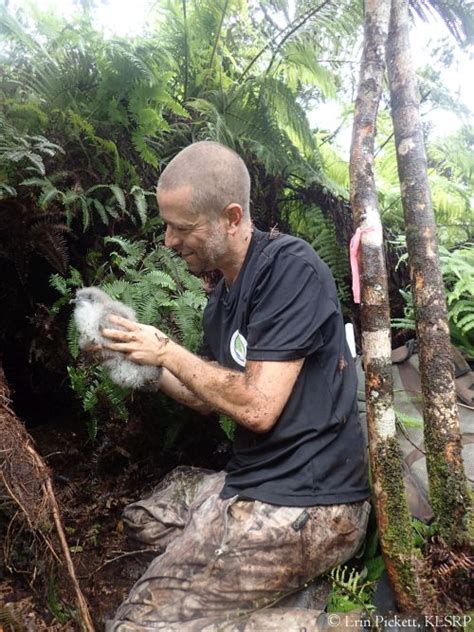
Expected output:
(238, 348)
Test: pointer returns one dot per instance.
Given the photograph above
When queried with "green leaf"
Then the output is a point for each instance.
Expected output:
(408, 421)
(101, 210)
(58, 282)
(375, 567)
(8, 190)
(228, 425)
(140, 202)
(119, 196)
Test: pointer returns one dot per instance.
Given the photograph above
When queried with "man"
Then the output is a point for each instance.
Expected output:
(292, 503)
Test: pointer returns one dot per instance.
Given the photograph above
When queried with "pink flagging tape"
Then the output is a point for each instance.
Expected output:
(354, 248)
(354, 258)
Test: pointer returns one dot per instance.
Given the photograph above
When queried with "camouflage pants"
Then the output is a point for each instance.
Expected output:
(225, 558)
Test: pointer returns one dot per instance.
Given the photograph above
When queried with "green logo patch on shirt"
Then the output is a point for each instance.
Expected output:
(238, 348)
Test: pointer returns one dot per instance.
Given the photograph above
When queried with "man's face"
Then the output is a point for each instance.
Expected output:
(200, 241)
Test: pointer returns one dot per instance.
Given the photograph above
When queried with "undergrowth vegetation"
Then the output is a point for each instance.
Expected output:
(152, 280)
(458, 276)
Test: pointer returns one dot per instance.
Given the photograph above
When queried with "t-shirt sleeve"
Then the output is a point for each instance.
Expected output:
(289, 305)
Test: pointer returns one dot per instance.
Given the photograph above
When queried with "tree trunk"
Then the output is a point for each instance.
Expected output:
(393, 517)
(449, 492)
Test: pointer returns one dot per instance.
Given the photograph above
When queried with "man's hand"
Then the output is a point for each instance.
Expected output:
(143, 344)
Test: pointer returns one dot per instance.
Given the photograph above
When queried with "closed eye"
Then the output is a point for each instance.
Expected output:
(179, 229)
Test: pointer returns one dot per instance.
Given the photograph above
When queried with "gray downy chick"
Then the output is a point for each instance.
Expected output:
(91, 314)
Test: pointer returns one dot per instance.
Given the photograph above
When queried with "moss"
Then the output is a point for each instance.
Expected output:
(450, 496)
(396, 533)
(399, 531)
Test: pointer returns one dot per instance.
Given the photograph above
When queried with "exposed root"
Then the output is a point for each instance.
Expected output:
(26, 479)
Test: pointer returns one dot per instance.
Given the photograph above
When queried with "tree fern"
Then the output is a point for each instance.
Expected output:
(301, 66)
(456, 14)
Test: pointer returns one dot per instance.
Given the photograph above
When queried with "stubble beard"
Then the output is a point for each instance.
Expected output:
(216, 247)
(212, 253)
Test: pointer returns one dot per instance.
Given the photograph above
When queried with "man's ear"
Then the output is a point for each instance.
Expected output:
(233, 214)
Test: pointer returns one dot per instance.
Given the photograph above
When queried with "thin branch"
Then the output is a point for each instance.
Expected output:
(186, 52)
(329, 137)
(118, 557)
(81, 602)
(386, 141)
(293, 30)
(218, 34)
(301, 20)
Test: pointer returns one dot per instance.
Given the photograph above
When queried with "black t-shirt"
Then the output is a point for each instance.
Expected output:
(283, 306)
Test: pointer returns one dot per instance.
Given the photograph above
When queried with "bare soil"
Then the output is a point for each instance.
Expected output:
(92, 482)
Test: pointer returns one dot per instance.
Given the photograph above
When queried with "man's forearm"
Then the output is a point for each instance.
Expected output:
(173, 387)
(224, 390)
(255, 398)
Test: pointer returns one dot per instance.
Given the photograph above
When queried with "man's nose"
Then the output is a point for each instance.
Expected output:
(171, 238)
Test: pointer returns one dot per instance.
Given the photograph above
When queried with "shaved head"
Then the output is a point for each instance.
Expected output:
(216, 175)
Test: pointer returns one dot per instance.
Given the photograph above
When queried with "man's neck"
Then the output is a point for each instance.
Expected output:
(236, 257)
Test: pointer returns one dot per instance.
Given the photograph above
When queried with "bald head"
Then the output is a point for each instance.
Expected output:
(215, 174)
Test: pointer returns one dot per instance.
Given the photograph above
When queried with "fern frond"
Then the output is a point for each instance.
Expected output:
(321, 233)
(466, 322)
(133, 253)
(72, 337)
(228, 425)
(140, 203)
(350, 590)
(115, 288)
(58, 282)
(302, 55)
(160, 279)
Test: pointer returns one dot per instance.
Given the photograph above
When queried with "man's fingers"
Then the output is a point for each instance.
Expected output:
(118, 346)
(117, 334)
(128, 324)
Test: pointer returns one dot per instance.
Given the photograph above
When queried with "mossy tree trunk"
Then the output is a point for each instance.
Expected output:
(449, 492)
(385, 457)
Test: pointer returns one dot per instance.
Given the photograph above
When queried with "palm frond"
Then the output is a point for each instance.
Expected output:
(457, 15)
